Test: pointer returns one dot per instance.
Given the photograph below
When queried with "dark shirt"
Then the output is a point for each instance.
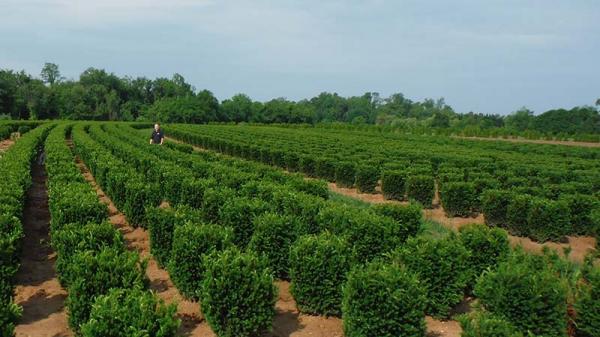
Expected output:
(157, 136)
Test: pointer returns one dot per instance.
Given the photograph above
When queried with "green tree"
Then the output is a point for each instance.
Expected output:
(520, 120)
(50, 73)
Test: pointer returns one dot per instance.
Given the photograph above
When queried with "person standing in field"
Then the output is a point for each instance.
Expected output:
(157, 135)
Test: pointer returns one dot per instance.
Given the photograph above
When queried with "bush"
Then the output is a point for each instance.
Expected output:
(307, 165)
(190, 243)
(318, 268)
(587, 306)
(548, 220)
(138, 195)
(367, 178)
(483, 324)
(409, 217)
(304, 207)
(239, 214)
(9, 314)
(74, 203)
(516, 214)
(213, 200)
(487, 247)
(442, 268)
(325, 168)
(238, 295)
(421, 188)
(130, 312)
(273, 236)
(383, 300)
(494, 205)
(581, 208)
(95, 274)
(345, 174)
(292, 162)
(458, 198)
(161, 225)
(192, 191)
(393, 185)
(531, 298)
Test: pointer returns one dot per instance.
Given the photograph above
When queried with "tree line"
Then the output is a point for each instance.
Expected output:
(100, 95)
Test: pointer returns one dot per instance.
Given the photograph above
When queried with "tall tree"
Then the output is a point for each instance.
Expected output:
(50, 73)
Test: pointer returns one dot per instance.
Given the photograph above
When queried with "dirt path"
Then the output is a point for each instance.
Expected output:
(38, 289)
(5, 145)
(534, 141)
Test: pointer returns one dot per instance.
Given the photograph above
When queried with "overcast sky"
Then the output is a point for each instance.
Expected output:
(490, 56)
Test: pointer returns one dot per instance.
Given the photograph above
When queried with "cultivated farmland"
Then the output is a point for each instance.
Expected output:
(234, 231)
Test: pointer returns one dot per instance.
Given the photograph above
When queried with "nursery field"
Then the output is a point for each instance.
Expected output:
(235, 231)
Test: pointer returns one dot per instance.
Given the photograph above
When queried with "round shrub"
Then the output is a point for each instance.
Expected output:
(238, 295)
(458, 198)
(367, 178)
(393, 185)
(239, 214)
(304, 207)
(94, 274)
(318, 268)
(409, 217)
(383, 300)
(130, 312)
(421, 188)
(190, 243)
(487, 247)
(531, 298)
(483, 324)
(273, 236)
(548, 220)
(441, 266)
(345, 174)
(494, 206)
(587, 306)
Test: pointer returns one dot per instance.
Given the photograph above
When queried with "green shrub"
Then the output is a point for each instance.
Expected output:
(292, 162)
(239, 214)
(304, 207)
(190, 243)
(325, 168)
(527, 295)
(442, 268)
(487, 247)
(383, 300)
(483, 324)
(307, 165)
(95, 274)
(345, 174)
(138, 195)
(9, 315)
(192, 191)
(516, 214)
(548, 220)
(458, 198)
(393, 185)
(75, 238)
(74, 203)
(273, 236)
(314, 187)
(494, 205)
(161, 225)
(581, 207)
(367, 178)
(409, 217)
(318, 268)
(587, 306)
(238, 294)
(130, 312)
(420, 188)
(213, 200)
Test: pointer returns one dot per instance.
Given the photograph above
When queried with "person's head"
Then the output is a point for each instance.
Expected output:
(156, 126)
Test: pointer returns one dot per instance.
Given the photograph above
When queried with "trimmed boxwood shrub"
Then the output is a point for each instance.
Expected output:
(138, 195)
(516, 214)
(393, 185)
(9, 314)
(420, 188)
(458, 198)
(318, 268)
(213, 200)
(487, 247)
(529, 296)
(548, 220)
(74, 203)
(367, 178)
(384, 300)
(581, 207)
(192, 191)
(494, 205)
(239, 214)
(273, 236)
(130, 312)
(325, 168)
(409, 217)
(292, 161)
(345, 174)
(483, 324)
(75, 238)
(95, 274)
(161, 225)
(190, 243)
(304, 207)
(238, 294)
(441, 266)
(317, 188)
(307, 165)
(587, 306)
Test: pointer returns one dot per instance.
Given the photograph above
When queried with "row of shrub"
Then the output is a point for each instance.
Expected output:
(107, 287)
(15, 166)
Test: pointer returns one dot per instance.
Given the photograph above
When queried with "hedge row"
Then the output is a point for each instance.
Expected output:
(16, 179)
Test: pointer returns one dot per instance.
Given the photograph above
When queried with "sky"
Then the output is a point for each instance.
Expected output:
(492, 56)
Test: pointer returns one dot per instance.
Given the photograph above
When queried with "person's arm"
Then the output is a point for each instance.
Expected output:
(162, 139)
(151, 136)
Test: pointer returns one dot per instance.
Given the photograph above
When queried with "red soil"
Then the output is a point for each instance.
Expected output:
(6, 144)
